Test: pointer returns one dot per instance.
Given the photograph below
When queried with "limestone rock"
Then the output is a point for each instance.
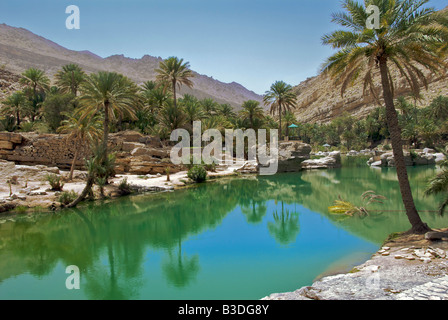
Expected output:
(333, 160)
(291, 155)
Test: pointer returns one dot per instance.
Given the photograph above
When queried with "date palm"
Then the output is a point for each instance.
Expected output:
(70, 78)
(226, 110)
(110, 94)
(439, 185)
(82, 131)
(192, 109)
(15, 105)
(174, 72)
(36, 83)
(280, 98)
(251, 111)
(410, 38)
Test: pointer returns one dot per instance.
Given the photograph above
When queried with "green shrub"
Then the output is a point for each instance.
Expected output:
(197, 173)
(387, 147)
(21, 209)
(66, 198)
(27, 126)
(55, 182)
(8, 123)
(124, 187)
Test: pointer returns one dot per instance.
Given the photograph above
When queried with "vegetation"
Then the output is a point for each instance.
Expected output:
(197, 173)
(67, 197)
(410, 37)
(55, 182)
(344, 207)
(280, 98)
(439, 185)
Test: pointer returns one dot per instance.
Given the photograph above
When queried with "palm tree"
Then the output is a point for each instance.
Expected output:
(69, 78)
(410, 38)
(280, 97)
(439, 184)
(15, 104)
(173, 71)
(36, 83)
(226, 110)
(192, 109)
(209, 106)
(111, 94)
(251, 110)
(438, 109)
(80, 130)
(171, 117)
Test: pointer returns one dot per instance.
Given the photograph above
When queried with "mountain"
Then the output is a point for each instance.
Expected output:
(319, 100)
(21, 49)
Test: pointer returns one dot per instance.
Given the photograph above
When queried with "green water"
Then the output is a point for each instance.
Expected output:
(239, 238)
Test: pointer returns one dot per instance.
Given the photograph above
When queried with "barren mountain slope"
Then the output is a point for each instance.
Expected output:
(21, 49)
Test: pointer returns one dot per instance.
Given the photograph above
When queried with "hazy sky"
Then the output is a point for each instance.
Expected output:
(252, 42)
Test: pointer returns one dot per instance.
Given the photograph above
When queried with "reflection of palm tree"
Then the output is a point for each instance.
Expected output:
(286, 226)
(102, 284)
(255, 212)
(181, 271)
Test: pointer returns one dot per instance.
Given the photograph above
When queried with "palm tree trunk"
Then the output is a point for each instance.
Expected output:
(18, 117)
(106, 130)
(70, 177)
(280, 119)
(174, 94)
(397, 145)
(84, 192)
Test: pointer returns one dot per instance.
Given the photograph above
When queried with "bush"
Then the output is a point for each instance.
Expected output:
(8, 123)
(27, 126)
(197, 173)
(66, 198)
(55, 182)
(124, 187)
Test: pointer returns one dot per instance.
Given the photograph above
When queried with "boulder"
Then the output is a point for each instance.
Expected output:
(333, 160)
(291, 155)
(440, 157)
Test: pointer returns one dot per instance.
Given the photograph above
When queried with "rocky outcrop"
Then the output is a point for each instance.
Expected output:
(291, 155)
(333, 160)
(135, 153)
(418, 157)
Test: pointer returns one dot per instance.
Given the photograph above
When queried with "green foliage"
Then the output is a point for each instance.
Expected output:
(344, 207)
(55, 107)
(27, 126)
(55, 181)
(124, 187)
(67, 197)
(197, 173)
(8, 123)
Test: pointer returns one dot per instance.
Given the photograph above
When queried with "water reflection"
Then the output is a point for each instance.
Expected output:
(116, 243)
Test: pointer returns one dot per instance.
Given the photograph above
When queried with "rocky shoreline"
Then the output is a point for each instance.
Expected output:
(408, 267)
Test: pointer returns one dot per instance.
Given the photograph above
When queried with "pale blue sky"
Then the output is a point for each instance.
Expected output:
(252, 42)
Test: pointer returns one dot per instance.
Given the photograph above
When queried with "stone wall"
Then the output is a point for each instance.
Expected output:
(135, 153)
